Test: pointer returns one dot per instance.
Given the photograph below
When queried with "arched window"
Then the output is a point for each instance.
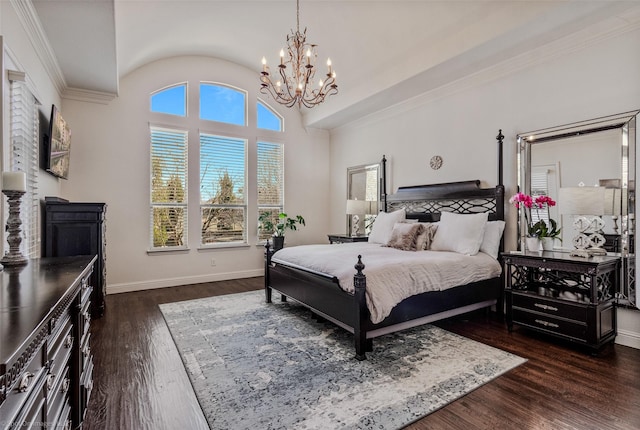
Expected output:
(223, 103)
(223, 159)
(268, 118)
(171, 100)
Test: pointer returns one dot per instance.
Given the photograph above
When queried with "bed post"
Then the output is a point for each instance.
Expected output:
(383, 183)
(267, 278)
(500, 139)
(359, 333)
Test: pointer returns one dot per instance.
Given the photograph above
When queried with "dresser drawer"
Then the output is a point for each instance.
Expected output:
(61, 341)
(567, 310)
(549, 324)
(85, 313)
(58, 395)
(33, 412)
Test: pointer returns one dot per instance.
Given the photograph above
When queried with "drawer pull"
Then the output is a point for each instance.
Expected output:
(547, 324)
(65, 385)
(546, 307)
(25, 381)
(89, 385)
(51, 378)
(68, 342)
(86, 315)
(86, 351)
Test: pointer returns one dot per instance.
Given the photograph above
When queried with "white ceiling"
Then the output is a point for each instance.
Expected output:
(384, 52)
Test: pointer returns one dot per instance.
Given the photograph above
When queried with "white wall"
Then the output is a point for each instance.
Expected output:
(461, 126)
(110, 163)
(19, 53)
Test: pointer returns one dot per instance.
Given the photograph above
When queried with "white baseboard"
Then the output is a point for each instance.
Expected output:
(628, 338)
(174, 282)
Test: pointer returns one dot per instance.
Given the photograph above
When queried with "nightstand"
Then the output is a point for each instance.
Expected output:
(568, 297)
(345, 238)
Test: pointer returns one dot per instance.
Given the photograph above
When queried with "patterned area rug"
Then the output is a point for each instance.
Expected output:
(271, 366)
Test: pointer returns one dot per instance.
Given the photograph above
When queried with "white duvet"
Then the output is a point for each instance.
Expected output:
(392, 274)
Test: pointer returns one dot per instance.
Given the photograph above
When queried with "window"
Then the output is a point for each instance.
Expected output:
(268, 118)
(222, 189)
(223, 104)
(24, 130)
(172, 100)
(270, 182)
(226, 145)
(543, 183)
(168, 188)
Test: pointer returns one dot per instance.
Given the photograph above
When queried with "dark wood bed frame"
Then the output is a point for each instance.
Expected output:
(322, 293)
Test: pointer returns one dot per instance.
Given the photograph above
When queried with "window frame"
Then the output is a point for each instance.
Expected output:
(24, 157)
(264, 207)
(184, 205)
(244, 206)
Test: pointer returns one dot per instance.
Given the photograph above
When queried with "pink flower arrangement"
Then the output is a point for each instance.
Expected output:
(540, 228)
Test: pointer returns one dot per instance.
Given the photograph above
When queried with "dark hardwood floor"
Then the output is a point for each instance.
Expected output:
(140, 382)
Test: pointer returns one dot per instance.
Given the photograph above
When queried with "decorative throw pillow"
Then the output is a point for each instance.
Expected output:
(492, 235)
(461, 233)
(405, 235)
(383, 226)
(426, 237)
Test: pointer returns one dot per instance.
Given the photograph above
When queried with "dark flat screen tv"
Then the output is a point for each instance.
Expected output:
(57, 162)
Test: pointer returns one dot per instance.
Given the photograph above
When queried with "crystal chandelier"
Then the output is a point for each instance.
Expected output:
(298, 87)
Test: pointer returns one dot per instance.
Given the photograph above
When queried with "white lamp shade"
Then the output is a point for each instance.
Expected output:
(356, 207)
(582, 200)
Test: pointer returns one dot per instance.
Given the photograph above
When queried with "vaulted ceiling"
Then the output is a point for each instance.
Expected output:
(384, 52)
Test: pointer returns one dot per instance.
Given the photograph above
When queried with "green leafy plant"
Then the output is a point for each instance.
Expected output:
(282, 223)
(539, 229)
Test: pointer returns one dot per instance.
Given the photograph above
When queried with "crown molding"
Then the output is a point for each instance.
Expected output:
(88, 96)
(31, 23)
(575, 42)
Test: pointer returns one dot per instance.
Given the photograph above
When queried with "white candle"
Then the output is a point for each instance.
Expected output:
(14, 181)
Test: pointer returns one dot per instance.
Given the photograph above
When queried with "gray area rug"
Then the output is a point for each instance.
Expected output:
(271, 366)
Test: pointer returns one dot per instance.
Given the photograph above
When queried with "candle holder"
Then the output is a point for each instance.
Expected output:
(14, 257)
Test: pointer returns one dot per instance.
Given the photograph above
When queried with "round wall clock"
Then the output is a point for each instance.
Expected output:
(436, 162)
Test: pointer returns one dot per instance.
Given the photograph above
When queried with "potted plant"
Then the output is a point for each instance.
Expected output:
(538, 232)
(279, 226)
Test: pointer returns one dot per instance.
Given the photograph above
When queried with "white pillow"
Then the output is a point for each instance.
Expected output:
(492, 235)
(383, 226)
(461, 233)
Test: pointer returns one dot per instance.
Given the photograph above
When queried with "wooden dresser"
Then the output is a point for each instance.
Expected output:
(46, 364)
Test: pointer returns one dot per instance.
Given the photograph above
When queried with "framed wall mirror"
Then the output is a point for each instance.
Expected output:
(364, 197)
(571, 164)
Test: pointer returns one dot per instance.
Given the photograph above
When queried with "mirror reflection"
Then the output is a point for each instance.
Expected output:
(588, 168)
(363, 198)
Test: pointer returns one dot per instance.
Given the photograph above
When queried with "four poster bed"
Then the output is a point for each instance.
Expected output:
(455, 282)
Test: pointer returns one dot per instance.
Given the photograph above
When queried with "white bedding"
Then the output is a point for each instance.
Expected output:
(392, 274)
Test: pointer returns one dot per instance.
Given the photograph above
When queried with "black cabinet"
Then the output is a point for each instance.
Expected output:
(78, 229)
(568, 297)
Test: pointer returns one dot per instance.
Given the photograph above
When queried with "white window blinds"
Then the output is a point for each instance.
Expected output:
(24, 131)
(223, 162)
(270, 182)
(168, 188)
